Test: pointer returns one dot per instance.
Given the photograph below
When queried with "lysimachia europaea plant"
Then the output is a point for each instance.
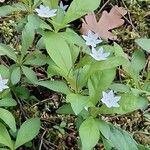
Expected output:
(88, 66)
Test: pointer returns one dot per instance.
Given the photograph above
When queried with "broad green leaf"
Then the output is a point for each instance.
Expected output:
(128, 103)
(15, 75)
(65, 109)
(6, 50)
(138, 61)
(81, 77)
(5, 138)
(103, 65)
(89, 134)
(29, 32)
(120, 87)
(22, 92)
(28, 130)
(30, 74)
(9, 9)
(120, 139)
(104, 128)
(58, 86)
(60, 53)
(79, 8)
(126, 66)
(6, 102)
(8, 118)
(78, 102)
(99, 82)
(58, 19)
(4, 71)
(36, 58)
(73, 38)
(144, 44)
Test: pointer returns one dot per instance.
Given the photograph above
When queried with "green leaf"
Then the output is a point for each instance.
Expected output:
(79, 8)
(28, 130)
(126, 66)
(81, 77)
(4, 71)
(99, 82)
(28, 32)
(6, 50)
(144, 44)
(30, 74)
(8, 118)
(89, 134)
(73, 38)
(120, 139)
(5, 137)
(104, 128)
(138, 58)
(22, 92)
(78, 102)
(36, 58)
(141, 147)
(103, 65)
(60, 53)
(128, 103)
(6, 102)
(15, 75)
(120, 87)
(9, 9)
(58, 86)
(65, 109)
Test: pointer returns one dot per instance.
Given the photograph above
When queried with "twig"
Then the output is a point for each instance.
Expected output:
(43, 101)
(103, 6)
(130, 20)
(41, 143)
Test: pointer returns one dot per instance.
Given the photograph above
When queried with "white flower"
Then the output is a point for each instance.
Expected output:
(110, 100)
(45, 11)
(99, 54)
(3, 83)
(92, 39)
(63, 7)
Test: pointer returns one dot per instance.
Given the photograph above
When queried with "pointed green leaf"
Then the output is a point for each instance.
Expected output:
(5, 138)
(60, 53)
(79, 8)
(8, 118)
(78, 102)
(89, 134)
(144, 44)
(28, 130)
(6, 50)
(58, 86)
(128, 103)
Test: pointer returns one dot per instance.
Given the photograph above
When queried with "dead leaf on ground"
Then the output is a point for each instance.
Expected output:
(107, 22)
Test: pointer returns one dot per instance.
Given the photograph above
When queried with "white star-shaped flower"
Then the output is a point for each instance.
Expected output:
(62, 6)
(92, 39)
(3, 83)
(110, 100)
(99, 54)
(45, 11)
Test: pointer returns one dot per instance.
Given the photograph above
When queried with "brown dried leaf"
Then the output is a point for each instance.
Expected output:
(108, 21)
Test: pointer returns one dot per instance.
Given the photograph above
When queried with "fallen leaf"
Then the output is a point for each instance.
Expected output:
(107, 22)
